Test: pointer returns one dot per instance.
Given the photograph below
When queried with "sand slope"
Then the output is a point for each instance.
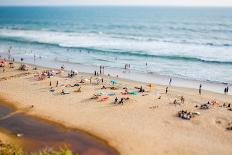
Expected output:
(137, 127)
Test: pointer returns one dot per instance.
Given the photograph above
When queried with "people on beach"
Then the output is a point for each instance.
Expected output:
(57, 83)
(141, 90)
(115, 100)
(170, 81)
(226, 90)
(100, 69)
(200, 89)
(62, 68)
(121, 101)
(182, 99)
(166, 90)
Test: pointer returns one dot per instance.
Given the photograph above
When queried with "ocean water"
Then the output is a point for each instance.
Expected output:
(188, 43)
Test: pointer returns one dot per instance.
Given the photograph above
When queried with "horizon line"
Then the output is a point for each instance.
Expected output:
(119, 5)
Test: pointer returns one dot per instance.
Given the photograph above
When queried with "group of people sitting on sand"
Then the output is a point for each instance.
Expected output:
(121, 100)
(72, 74)
(184, 114)
(182, 100)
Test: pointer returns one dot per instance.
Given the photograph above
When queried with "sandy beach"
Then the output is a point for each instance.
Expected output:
(145, 124)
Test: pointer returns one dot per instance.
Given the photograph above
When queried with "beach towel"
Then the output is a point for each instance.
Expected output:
(104, 98)
(133, 93)
(111, 94)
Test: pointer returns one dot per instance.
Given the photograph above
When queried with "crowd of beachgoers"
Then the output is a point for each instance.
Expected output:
(100, 87)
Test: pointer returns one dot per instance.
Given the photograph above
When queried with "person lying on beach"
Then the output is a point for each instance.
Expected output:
(63, 92)
(126, 98)
(113, 88)
(95, 96)
(185, 115)
(103, 87)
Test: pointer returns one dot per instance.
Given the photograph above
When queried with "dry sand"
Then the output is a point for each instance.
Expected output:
(144, 125)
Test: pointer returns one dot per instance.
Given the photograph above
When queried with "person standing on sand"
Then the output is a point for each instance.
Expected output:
(225, 90)
(100, 69)
(166, 91)
(200, 89)
(50, 84)
(170, 81)
(57, 83)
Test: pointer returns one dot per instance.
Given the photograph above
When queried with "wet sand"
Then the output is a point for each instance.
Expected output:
(142, 125)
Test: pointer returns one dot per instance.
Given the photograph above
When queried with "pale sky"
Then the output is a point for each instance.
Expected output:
(120, 2)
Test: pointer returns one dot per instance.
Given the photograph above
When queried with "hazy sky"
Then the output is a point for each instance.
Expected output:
(120, 2)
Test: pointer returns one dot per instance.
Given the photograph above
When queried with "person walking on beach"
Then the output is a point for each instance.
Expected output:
(166, 91)
(57, 83)
(50, 84)
(170, 81)
(225, 90)
(95, 73)
(200, 89)
(100, 69)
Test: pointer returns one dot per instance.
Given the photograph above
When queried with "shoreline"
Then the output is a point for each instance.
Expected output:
(137, 76)
(134, 75)
(126, 128)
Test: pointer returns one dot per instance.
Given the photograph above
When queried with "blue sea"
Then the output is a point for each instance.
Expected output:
(183, 42)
